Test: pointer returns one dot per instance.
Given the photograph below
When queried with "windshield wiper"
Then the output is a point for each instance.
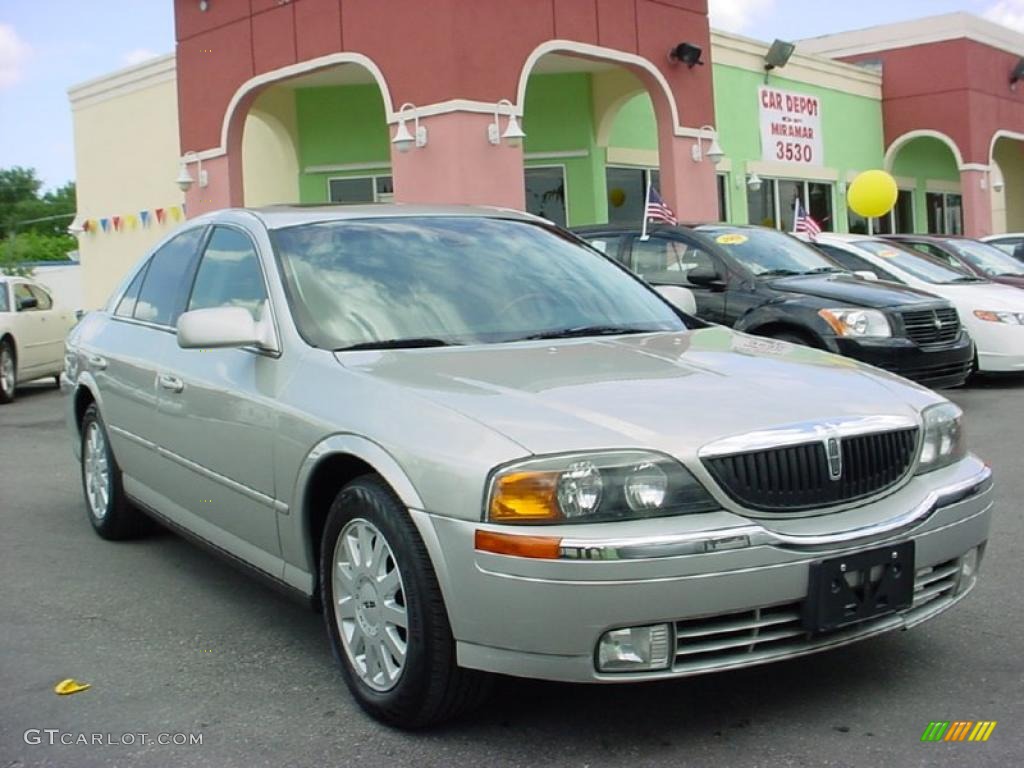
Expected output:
(967, 279)
(585, 330)
(779, 273)
(825, 270)
(410, 343)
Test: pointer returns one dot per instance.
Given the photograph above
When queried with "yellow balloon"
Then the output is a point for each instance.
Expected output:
(872, 194)
(617, 197)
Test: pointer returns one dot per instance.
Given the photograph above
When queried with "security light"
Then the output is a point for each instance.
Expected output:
(1017, 74)
(714, 151)
(754, 182)
(185, 180)
(778, 55)
(513, 134)
(687, 53)
(403, 141)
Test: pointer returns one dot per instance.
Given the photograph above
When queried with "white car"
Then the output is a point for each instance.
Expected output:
(1009, 242)
(32, 331)
(993, 314)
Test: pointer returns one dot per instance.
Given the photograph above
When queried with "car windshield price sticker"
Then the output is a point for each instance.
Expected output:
(790, 127)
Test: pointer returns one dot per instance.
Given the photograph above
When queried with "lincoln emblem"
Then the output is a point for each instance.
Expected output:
(834, 452)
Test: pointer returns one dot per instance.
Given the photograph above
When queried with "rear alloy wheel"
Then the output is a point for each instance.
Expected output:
(8, 374)
(385, 614)
(111, 515)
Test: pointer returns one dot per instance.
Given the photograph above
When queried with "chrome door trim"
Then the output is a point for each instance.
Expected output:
(805, 432)
(227, 482)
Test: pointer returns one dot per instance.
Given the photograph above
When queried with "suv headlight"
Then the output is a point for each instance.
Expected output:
(944, 441)
(594, 487)
(857, 323)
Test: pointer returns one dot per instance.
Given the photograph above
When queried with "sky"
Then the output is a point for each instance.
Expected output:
(46, 46)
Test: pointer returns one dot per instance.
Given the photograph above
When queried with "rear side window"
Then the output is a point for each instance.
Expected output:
(166, 280)
(45, 302)
(4, 306)
(126, 306)
(229, 274)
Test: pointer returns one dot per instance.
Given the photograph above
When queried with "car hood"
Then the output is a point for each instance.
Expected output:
(991, 296)
(845, 290)
(672, 392)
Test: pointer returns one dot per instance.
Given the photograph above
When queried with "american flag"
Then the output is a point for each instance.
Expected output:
(657, 210)
(802, 221)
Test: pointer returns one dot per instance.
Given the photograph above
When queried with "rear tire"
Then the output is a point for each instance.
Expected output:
(385, 614)
(8, 372)
(109, 511)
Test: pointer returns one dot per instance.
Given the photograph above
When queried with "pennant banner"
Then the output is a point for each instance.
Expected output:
(131, 221)
(144, 218)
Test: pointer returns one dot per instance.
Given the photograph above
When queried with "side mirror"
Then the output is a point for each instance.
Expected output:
(221, 327)
(679, 297)
(27, 302)
(866, 274)
(705, 277)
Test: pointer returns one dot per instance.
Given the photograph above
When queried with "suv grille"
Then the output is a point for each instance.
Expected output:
(932, 326)
(797, 477)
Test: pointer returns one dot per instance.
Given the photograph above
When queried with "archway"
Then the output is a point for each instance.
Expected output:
(927, 166)
(1007, 182)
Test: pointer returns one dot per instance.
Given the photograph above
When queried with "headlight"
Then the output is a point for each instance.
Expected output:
(858, 323)
(944, 442)
(1012, 318)
(587, 488)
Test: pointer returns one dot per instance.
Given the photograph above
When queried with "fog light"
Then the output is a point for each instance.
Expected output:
(634, 649)
(968, 570)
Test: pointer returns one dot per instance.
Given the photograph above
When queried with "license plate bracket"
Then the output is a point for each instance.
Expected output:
(850, 588)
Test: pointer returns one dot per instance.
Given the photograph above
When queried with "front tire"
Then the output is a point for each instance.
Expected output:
(385, 614)
(110, 513)
(8, 373)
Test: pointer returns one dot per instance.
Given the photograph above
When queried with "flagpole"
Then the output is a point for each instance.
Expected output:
(647, 200)
(796, 213)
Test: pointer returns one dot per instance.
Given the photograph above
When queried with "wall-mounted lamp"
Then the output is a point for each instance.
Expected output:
(204, 5)
(403, 140)
(687, 53)
(998, 185)
(778, 55)
(513, 134)
(185, 180)
(754, 182)
(713, 153)
(1017, 74)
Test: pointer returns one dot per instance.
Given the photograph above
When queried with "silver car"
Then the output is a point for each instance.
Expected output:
(482, 446)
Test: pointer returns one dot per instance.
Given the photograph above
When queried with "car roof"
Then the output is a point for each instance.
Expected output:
(281, 216)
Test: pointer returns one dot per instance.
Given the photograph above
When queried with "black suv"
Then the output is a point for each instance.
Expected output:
(768, 283)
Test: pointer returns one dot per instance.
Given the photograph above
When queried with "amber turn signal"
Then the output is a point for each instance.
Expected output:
(539, 547)
(525, 497)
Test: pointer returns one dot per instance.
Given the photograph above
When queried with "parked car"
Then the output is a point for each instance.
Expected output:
(481, 446)
(972, 256)
(1011, 243)
(993, 314)
(768, 283)
(32, 331)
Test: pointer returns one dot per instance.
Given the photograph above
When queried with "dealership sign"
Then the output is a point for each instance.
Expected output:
(790, 127)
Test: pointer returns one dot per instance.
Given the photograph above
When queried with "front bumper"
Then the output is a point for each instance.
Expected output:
(947, 365)
(544, 618)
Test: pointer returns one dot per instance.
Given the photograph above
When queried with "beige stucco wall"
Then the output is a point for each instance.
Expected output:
(126, 160)
(270, 159)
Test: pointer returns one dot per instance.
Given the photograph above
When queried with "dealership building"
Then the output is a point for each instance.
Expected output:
(566, 108)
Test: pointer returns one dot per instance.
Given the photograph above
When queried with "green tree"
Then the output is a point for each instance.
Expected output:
(22, 237)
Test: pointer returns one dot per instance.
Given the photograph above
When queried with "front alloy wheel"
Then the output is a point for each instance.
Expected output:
(369, 605)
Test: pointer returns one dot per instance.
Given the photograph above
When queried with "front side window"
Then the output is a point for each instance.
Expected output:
(665, 261)
(42, 297)
(768, 252)
(164, 286)
(23, 298)
(126, 306)
(229, 274)
(454, 280)
(4, 305)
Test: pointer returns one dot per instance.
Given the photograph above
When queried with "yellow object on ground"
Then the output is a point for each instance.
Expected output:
(69, 686)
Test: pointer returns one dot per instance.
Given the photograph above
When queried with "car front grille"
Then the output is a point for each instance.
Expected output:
(762, 634)
(929, 327)
(936, 376)
(796, 477)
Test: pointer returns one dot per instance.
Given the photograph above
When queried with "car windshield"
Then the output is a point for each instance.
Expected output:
(988, 259)
(421, 281)
(915, 263)
(769, 253)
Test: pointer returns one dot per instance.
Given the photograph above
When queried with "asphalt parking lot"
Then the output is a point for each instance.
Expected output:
(173, 640)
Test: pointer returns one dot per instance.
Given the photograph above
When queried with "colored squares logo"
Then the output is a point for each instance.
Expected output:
(958, 730)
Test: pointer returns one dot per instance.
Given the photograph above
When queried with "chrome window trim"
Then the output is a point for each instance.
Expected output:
(805, 432)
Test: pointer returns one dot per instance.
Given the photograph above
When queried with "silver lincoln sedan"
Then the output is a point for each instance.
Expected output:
(481, 446)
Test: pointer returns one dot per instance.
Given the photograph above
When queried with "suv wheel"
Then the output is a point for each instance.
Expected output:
(385, 614)
(111, 515)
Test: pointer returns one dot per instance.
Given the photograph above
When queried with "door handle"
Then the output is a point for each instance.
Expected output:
(172, 383)
(97, 362)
